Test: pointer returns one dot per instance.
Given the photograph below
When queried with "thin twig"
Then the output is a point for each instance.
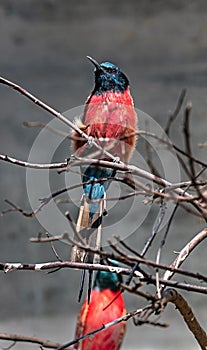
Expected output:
(166, 233)
(58, 115)
(122, 167)
(148, 262)
(130, 249)
(186, 131)
(184, 253)
(29, 339)
(22, 163)
(112, 323)
(122, 259)
(173, 115)
(53, 248)
(8, 267)
(138, 292)
(155, 229)
(172, 147)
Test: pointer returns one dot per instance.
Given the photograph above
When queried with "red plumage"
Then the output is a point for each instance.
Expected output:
(93, 316)
(110, 118)
(110, 115)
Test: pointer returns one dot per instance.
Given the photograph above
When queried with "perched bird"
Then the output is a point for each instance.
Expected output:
(93, 315)
(109, 117)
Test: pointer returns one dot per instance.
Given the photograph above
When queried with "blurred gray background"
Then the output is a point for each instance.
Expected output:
(162, 47)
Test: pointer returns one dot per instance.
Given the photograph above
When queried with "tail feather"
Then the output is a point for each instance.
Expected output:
(88, 230)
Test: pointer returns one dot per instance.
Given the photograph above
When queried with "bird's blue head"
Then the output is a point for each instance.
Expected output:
(108, 77)
(107, 280)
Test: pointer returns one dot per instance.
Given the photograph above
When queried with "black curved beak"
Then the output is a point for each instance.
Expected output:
(95, 63)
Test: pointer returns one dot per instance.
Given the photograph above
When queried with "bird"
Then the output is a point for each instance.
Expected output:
(101, 311)
(109, 118)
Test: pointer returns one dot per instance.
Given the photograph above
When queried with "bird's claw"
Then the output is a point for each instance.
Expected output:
(116, 159)
(72, 158)
(90, 141)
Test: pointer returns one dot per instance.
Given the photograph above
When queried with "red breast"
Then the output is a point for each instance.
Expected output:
(93, 316)
(111, 115)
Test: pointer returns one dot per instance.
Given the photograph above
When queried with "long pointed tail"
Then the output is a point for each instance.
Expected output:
(88, 230)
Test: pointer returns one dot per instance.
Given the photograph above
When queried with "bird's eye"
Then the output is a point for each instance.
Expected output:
(112, 70)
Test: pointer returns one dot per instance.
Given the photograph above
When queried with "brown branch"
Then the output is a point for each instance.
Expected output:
(48, 127)
(148, 158)
(15, 207)
(171, 295)
(43, 105)
(173, 115)
(44, 201)
(136, 291)
(202, 145)
(58, 346)
(53, 247)
(8, 267)
(146, 190)
(171, 146)
(105, 326)
(184, 253)
(121, 258)
(22, 163)
(58, 115)
(53, 130)
(139, 172)
(126, 246)
(175, 284)
(118, 166)
(29, 339)
(148, 243)
(186, 131)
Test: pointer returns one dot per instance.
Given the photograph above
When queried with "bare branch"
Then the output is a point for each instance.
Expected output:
(172, 147)
(48, 127)
(202, 145)
(184, 253)
(136, 291)
(121, 167)
(29, 339)
(8, 267)
(186, 130)
(42, 105)
(58, 115)
(155, 229)
(174, 297)
(32, 165)
(112, 323)
(144, 261)
(173, 115)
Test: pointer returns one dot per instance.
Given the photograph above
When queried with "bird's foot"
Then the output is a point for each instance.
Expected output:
(116, 159)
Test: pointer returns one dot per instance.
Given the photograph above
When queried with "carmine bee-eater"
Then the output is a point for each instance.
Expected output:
(110, 119)
(93, 316)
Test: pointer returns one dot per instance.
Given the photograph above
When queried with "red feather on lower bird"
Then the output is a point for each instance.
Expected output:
(94, 315)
